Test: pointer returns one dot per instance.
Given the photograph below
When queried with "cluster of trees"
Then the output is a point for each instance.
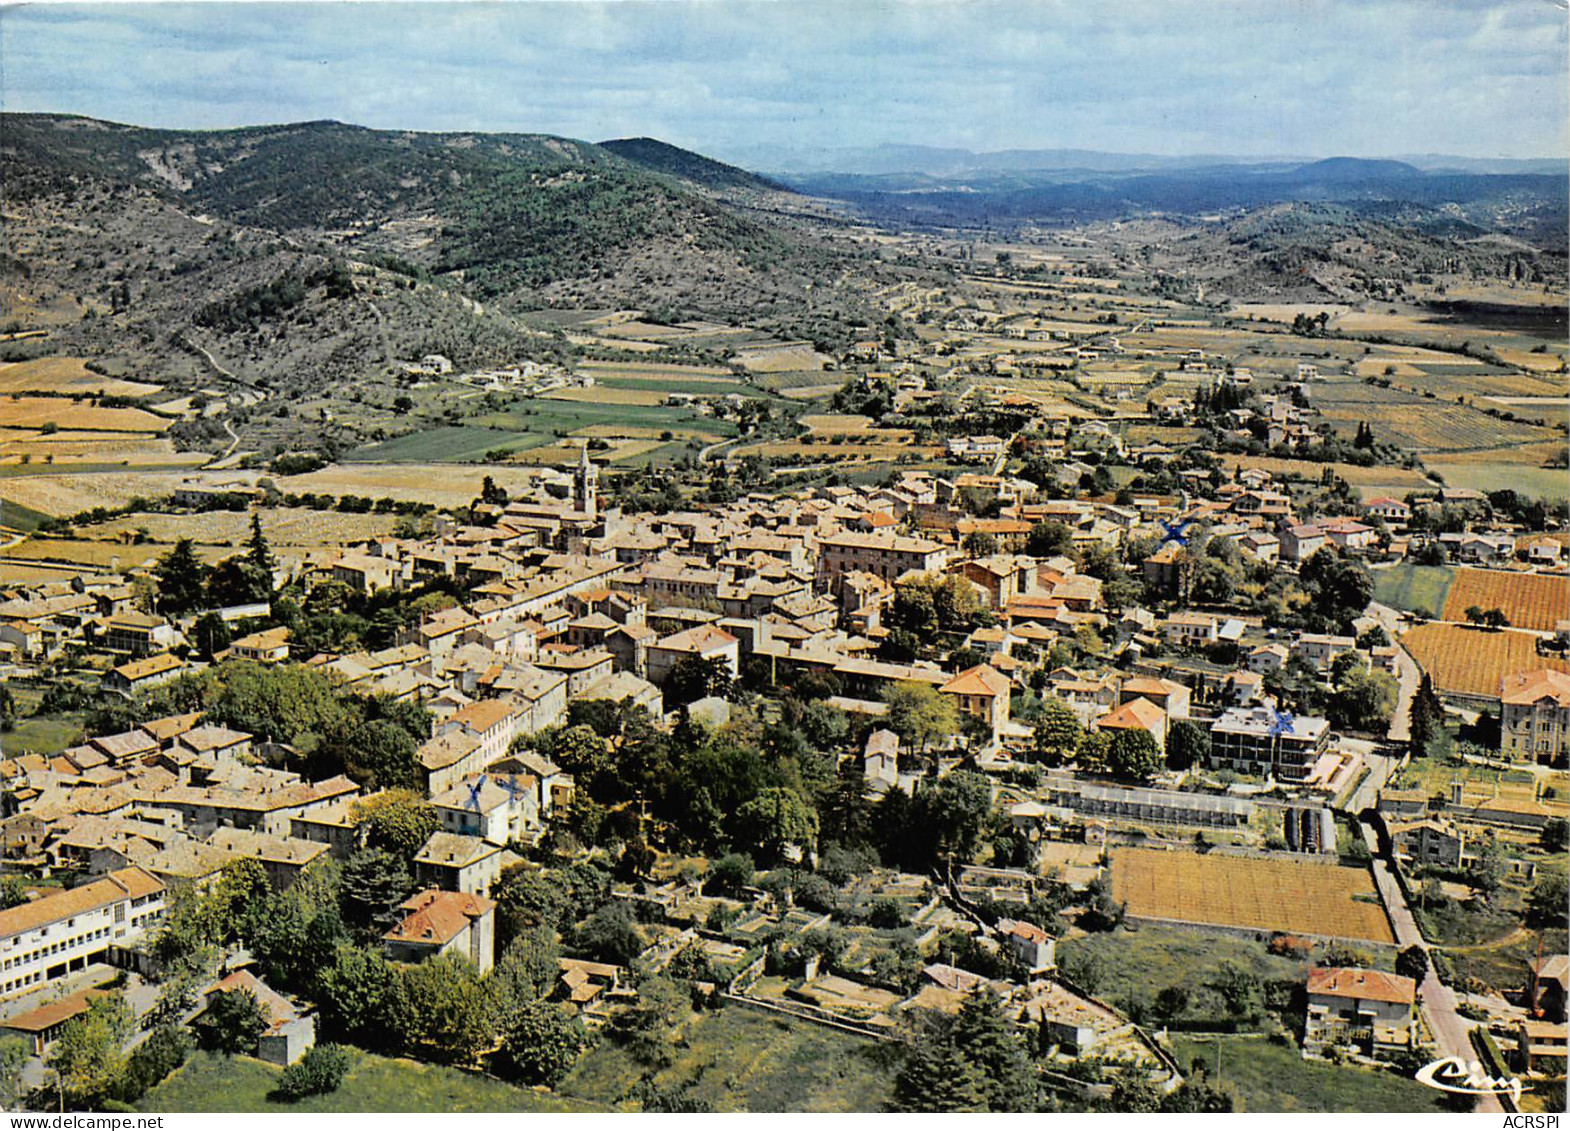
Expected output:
(1132, 754)
(187, 584)
(929, 612)
(371, 738)
(89, 1068)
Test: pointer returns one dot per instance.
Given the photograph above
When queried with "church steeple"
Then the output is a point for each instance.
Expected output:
(585, 483)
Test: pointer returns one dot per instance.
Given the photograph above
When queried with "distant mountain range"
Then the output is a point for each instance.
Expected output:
(881, 160)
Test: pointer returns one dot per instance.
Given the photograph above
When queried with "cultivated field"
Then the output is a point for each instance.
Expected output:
(67, 493)
(1529, 600)
(610, 370)
(283, 526)
(1532, 482)
(1421, 425)
(782, 359)
(1235, 891)
(19, 411)
(442, 485)
(1472, 661)
(607, 394)
(1398, 480)
(66, 375)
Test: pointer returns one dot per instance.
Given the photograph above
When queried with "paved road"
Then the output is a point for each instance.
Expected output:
(1380, 767)
(1451, 1030)
(1408, 675)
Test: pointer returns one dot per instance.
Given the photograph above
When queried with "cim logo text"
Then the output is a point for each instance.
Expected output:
(1467, 1078)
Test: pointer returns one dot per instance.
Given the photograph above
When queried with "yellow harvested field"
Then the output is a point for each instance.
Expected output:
(440, 484)
(126, 448)
(637, 432)
(283, 526)
(604, 394)
(95, 555)
(70, 493)
(834, 453)
(654, 370)
(22, 573)
(1472, 661)
(1522, 455)
(66, 375)
(1404, 478)
(567, 452)
(809, 392)
(35, 412)
(782, 359)
(828, 422)
(1290, 896)
(1529, 600)
(1539, 362)
(632, 345)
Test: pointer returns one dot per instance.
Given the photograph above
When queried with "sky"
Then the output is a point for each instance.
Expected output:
(1312, 78)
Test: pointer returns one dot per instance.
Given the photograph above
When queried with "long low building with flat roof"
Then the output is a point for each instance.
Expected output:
(1157, 806)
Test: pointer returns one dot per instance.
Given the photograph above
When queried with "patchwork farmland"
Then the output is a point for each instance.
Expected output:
(1253, 894)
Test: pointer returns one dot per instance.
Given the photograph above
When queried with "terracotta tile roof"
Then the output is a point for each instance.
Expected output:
(437, 917)
(1527, 688)
(127, 883)
(1364, 985)
(1136, 713)
(52, 1013)
(981, 680)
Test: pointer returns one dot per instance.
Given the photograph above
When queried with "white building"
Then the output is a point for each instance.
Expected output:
(46, 939)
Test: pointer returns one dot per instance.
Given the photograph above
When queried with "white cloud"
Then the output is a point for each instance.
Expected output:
(1219, 76)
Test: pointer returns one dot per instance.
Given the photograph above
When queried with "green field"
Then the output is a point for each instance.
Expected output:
(210, 1082)
(1413, 587)
(714, 387)
(1267, 1077)
(1136, 965)
(1537, 482)
(446, 445)
(739, 1059)
(45, 734)
(549, 416)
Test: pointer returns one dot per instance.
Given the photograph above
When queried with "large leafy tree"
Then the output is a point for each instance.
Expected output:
(88, 1057)
(443, 1011)
(1188, 744)
(1133, 755)
(398, 821)
(1341, 587)
(775, 820)
(540, 1044)
(920, 714)
(355, 991)
(377, 753)
(694, 678)
(233, 1022)
(611, 934)
(1057, 733)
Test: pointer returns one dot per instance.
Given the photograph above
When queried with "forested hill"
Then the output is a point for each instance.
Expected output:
(689, 166)
(501, 213)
